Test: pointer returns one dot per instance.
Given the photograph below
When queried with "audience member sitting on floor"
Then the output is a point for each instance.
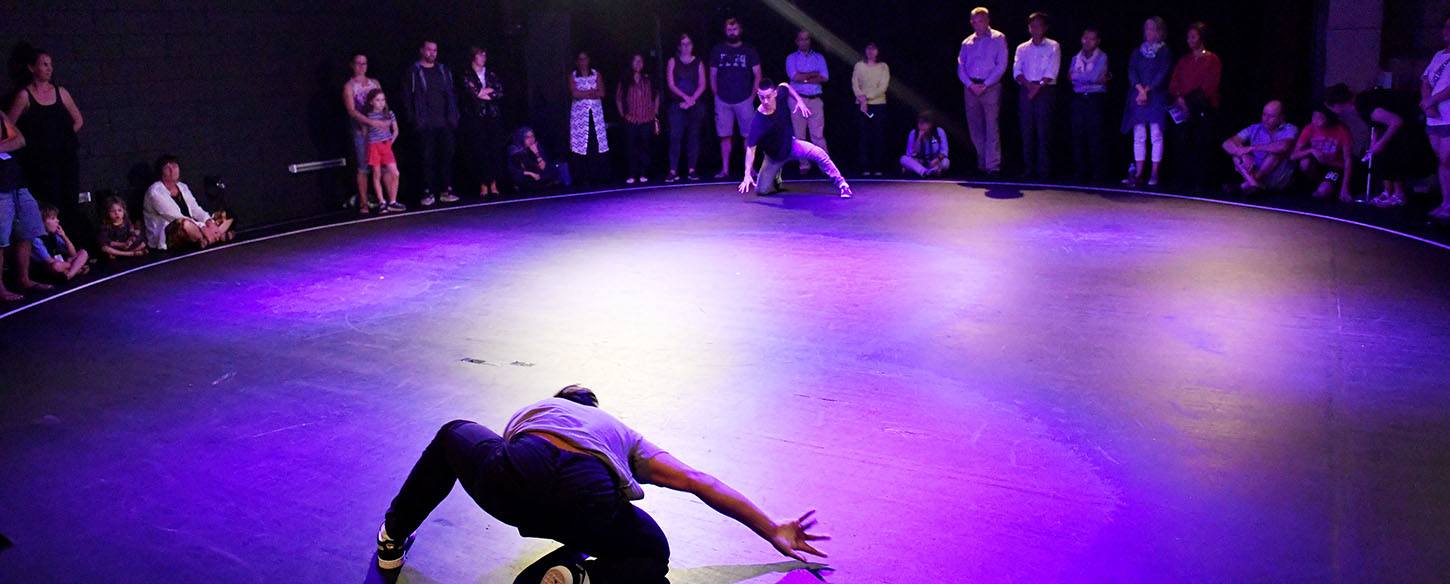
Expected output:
(173, 217)
(530, 169)
(1261, 151)
(118, 236)
(926, 149)
(19, 215)
(54, 252)
(1324, 153)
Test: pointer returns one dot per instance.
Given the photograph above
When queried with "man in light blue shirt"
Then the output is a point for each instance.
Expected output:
(1089, 74)
(807, 71)
(980, 66)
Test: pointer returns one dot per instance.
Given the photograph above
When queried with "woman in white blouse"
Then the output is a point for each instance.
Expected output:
(173, 217)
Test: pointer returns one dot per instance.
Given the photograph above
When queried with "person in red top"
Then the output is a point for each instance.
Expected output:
(1194, 87)
(1325, 153)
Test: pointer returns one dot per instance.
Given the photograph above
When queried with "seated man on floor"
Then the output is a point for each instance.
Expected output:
(568, 471)
(1261, 151)
(772, 131)
(172, 216)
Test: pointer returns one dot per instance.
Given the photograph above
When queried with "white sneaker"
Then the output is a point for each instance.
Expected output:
(427, 201)
(629, 181)
(449, 197)
(643, 179)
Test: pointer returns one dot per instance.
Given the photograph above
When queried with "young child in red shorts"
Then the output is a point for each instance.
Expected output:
(380, 152)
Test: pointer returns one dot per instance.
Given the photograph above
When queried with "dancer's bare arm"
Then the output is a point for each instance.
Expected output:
(790, 538)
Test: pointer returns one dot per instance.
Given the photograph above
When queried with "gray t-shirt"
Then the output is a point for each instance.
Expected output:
(594, 431)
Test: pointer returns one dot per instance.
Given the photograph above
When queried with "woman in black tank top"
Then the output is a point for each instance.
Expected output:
(49, 119)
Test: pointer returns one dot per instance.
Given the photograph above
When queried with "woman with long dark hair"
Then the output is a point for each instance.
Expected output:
(47, 116)
(482, 123)
(639, 105)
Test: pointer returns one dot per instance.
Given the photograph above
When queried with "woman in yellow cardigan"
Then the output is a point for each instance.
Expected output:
(869, 79)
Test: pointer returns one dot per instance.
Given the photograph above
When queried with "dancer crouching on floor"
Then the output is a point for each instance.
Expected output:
(771, 131)
(566, 470)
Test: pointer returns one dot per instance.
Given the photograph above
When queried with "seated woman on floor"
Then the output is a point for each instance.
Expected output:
(530, 169)
(173, 218)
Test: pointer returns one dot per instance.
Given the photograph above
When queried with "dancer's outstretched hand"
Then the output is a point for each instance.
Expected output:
(747, 184)
(794, 537)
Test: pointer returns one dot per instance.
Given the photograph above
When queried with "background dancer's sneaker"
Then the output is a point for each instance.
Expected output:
(572, 574)
(391, 552)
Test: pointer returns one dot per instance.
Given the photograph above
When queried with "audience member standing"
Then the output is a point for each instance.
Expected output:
(869, 80)
(807, 72)
(639, 105)
(20, 221)
(482, 123)
(1147, 108)
(1194, 87)
(1036, 68)
(429, 101)
(1089, 74)
(1396, 154)
(685, 78)
(354, 101)
(1435, 102)
(47, 116)
(734, 73)
(980, 65)
(588, 139)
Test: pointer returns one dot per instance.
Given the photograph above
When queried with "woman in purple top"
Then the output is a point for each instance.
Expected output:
(1148, 71)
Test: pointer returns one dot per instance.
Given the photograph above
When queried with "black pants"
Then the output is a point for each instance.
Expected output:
(637, 139)
(685, 125)
(436, 146)
(1196, 143)
(483, 149)
(54, 179)
(544, 492)
(1036, 117)
(592, 167)
(872, 131)
(1089, 154)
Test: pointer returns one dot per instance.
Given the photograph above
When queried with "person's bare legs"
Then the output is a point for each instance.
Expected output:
(1441, 144)
(78, 264)
(390, 179)
(378, 185)
(5, 294)
(22, 268)
(362, 190)
(725, 147)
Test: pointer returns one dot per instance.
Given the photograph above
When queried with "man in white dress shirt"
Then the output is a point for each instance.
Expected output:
(1038, 62)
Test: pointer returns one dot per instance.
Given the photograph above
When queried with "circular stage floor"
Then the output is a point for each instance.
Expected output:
(969, 386)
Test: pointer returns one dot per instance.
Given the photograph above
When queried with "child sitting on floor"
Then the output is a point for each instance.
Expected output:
(119, 237)
(54, 250)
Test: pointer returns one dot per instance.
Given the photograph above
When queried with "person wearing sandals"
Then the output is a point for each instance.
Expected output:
(1392, 155)
(685, 78)
(1324, 152)
(1147, 107)
(354, 102)
(1435, 102)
